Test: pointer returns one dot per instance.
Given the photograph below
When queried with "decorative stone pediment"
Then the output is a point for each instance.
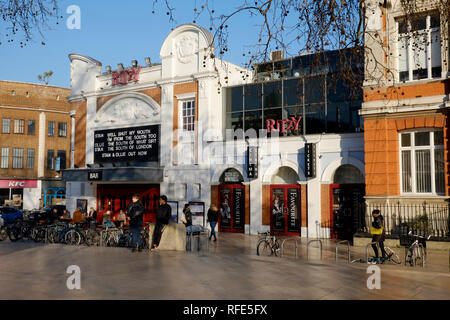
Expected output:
(129, 108)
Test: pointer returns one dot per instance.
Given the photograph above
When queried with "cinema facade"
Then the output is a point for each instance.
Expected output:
(274, 148)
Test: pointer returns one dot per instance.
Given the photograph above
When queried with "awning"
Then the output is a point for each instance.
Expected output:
(114, 174)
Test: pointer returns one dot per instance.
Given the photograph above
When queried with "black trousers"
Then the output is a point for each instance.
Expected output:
(157, 234)
(381, 244)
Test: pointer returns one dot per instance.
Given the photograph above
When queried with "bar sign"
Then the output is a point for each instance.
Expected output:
(95, 176)
(310, 160)
(252, 162)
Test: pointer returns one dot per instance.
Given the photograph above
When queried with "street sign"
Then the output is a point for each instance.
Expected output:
(310, 160)
(252, 162)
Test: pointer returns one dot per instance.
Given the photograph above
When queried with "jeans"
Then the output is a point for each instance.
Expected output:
(136, 238)
(213, 229)
(157, 234)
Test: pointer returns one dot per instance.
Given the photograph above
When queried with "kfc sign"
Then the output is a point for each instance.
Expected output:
(283, 125)
(125, 76)
(18, 184)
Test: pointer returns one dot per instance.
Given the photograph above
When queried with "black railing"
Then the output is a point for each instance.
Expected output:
(422, 219)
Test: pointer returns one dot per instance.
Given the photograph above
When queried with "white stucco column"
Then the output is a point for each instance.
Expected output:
(72, 140)
(90, 125)
(255, 207)
(41, 146)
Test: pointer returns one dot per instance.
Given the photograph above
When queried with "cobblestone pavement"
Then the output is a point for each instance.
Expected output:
(230, 269)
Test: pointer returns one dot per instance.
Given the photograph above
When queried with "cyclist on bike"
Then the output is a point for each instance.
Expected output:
(378, 233)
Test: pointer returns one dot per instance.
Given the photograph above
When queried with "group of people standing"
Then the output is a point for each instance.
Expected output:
(213, 217)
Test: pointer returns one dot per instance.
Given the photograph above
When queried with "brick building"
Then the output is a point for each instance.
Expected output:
(405, 112)
(35, 143)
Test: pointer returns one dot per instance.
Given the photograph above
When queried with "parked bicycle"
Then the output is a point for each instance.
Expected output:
(415, 248)
(268, 245)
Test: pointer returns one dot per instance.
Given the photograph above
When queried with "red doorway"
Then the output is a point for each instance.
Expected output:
(115, 197)
(285, 207)
(232, 208)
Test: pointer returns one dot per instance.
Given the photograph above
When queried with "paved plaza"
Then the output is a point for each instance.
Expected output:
(230, 269)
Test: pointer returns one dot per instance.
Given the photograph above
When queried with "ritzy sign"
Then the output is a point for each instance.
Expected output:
(125, 76)
(283, 125)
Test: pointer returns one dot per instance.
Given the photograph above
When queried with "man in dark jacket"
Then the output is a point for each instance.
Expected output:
(163, 216)
(135, 212)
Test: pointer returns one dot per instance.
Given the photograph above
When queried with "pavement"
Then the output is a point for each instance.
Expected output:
(229, 269)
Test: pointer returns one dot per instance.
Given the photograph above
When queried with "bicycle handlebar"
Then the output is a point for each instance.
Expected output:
(417, 236)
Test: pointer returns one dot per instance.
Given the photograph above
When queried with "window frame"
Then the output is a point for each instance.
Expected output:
(30, 164)
(52, 132)
(3, 157)
(413, 148)
(16, 157)
(19, 126)
(33, 126)
(60, 125)
(9, 126)
(411, 35)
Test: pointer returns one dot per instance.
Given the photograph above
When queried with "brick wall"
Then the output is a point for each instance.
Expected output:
(382, 150)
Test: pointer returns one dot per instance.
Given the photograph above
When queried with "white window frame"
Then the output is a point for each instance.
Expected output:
(19, 126)
(18, 158)
(30, 158)
(5, 158)
(410, 58)
(7, 128)
(412, 150)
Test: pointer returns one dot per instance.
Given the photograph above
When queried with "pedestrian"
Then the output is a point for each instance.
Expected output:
(163, 216)
(378, 233)
(186, 218)
(213, 215)
(135, 211)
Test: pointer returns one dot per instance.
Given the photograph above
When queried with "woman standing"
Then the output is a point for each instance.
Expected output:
(378, 232)
(213, 215)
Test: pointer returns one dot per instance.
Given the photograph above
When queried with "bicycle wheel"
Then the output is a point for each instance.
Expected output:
(392, 256)
(14, 233)
(264, 248)
(277, 247)
(72, 237)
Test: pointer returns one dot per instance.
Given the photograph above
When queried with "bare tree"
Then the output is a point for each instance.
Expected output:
(26, 17)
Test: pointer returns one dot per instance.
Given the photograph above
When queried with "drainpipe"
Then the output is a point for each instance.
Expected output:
(72, 140)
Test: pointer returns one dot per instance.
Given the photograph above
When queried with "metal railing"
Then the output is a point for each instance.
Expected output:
(296, 247)
(423, 219)
(348, 249)
(320, 247)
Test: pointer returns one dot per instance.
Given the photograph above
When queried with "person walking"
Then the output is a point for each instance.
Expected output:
(135, 212)
(163, 216)
(213, 215)
(378, 233)
(187, 218)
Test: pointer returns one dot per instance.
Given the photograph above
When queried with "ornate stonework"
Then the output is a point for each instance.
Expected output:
(186, 47)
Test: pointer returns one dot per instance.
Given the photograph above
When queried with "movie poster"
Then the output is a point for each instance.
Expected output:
(225, 209)
(239, 209)
(293, 210)
(278, 209)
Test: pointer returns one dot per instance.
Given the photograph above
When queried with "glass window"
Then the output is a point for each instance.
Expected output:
(338, 117)
(62, 129)
(51, 129)
(19, 126)
(253, 97)
(315, 119)
(234, 99)
(293, 92)
(422, 139)
(50, 159)
(5, 158)
(6, 126)
(17, 158)
(30, 159)
(406, 139)
(272, 94)
(295, 112)
(275, 115)
(253, 120)
(235, 120)
(314, 89)
(422, 163)
(188, 115)
(62, 159)
(31, 127)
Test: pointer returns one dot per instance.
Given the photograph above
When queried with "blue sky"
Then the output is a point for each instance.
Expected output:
(113, 32)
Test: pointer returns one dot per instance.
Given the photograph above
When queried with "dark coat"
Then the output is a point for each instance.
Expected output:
(135, 211)
(164, 214)
(188, 216)
(213, 215)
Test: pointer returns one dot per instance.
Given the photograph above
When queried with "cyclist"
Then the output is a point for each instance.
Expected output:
(378, 233)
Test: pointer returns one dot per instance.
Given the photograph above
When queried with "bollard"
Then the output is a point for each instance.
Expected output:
(348, 249)
(296, 247)
(307, 247)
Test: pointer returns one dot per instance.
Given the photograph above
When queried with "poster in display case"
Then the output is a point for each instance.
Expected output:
(198, 213)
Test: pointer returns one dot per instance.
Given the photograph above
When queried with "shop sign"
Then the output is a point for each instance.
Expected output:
(95, 176)
(125, 76)
(283, 125)
(310, 160)
(18, 184)
(137, 144)
(252, 162)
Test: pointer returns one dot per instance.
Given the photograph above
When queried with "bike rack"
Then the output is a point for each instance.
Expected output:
(421, 248)
(367, 250)
(296, 247)
(348, 249)
(320, 246)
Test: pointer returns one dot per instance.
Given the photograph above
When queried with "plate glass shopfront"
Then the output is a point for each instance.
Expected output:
(137, 144)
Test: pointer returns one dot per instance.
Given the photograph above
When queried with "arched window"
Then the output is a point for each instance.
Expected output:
(348, 174)
(285, 175)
